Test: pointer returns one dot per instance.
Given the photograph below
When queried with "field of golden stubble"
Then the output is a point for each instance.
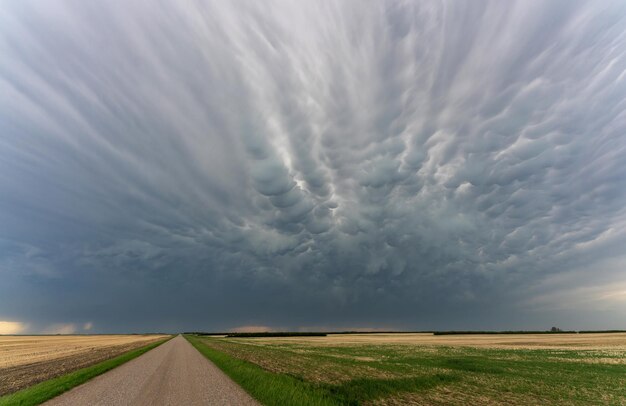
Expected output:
(27, 360)
(596, 341)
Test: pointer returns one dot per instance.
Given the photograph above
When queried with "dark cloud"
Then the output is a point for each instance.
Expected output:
(205, 166)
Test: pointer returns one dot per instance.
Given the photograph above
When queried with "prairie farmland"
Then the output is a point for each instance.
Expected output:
(27, 360)
(426, 369)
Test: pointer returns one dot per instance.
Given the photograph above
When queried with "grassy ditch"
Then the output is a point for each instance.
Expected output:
(272, 388)
(267, 387)
(49, 389)
(306, 372)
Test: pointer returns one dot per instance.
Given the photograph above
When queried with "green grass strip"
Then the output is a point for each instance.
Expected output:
(357, 391)
(267, 387)
(46, 390)
(284, 390)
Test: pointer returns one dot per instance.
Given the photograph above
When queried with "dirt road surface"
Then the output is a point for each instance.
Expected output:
(174, 373)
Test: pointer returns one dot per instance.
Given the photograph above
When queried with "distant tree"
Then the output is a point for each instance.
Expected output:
(555, 329)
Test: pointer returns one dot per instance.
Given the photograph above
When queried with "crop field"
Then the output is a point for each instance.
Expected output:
(27, 360)
(423, 369)
(529, 341)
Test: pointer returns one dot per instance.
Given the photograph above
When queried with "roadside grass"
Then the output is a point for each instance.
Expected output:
(284, 389)
(267, 387)
(49, 389)
(394, 374)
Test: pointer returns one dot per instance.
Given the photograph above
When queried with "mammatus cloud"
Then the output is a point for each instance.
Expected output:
(443, 164)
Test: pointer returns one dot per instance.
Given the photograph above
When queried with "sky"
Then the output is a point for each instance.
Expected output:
(319, 165)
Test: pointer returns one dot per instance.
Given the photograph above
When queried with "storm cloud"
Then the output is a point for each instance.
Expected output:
(209, 165)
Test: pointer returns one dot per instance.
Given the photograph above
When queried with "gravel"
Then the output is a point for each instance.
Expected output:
(174, 373)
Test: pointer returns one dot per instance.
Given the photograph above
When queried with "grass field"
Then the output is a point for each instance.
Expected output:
(28, 360)
(422, 369)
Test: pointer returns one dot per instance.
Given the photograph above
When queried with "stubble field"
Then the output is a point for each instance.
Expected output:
(423, 369)
(27, 360)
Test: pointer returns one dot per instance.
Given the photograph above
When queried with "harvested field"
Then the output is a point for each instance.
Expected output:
(27, 360)
(529, 341)
(423, 369)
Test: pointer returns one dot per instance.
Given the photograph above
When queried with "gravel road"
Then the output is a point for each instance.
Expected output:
(174, 373)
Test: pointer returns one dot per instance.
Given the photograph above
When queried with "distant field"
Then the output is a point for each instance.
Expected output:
(565, 341)
(423, 369)
(27, 360)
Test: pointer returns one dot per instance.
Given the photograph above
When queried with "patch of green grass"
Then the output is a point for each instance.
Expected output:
(285, 389)
(359, 390)
(267, 387)
(370, 373)
(46, 390)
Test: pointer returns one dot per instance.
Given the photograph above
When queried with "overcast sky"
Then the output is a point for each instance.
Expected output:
(213, 165)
